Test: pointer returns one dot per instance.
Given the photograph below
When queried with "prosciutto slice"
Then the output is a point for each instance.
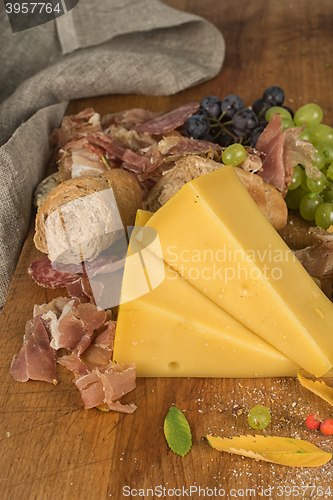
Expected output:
(75, 327)
(36, 359)
(107, 385)
(100, 350)
(186, 145)
(283, 151)
(129, 118)
(168, 121)
(76, 126)
(318, 261)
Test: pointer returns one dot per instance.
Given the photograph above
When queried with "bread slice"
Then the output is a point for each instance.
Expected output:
(83, 216)
(268, 199)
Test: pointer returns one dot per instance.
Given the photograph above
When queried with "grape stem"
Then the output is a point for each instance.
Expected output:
(216, 123)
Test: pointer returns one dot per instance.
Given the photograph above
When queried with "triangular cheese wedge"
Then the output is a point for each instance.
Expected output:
(216, 237)
(175, 331)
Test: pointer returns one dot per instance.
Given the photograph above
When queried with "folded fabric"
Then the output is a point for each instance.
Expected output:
(99, 47)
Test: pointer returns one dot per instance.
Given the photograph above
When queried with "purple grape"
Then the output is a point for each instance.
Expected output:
(224, 139)
(200, 112)
(244, 121)
(273, 96)
(212, 106)
(259, 107)
(231, 104)
(255, 135)
(263, 123)
(197, 127)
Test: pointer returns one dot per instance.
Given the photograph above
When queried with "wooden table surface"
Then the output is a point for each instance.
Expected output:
(51, 448)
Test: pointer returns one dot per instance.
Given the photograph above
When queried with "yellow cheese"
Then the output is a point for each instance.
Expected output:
(175, 331)
(142, 216)
(213, 233)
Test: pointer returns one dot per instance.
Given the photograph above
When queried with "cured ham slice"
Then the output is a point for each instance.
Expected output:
(76, 126)
(100, 350)
(56, 305)
(129, 118)
(283, 151)
(73, 364)
(36, 359)
(130, 138)
(75, 327)
(168, 121)
(91, 389)
(81, 290)
(107, 385)
(318, 261)
(79, 158)
(271, 142)
(185, 145)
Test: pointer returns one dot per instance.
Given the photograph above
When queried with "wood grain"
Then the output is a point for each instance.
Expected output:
(52, 448)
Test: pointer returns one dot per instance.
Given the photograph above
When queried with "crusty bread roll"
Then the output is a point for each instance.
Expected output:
(83, 216)
(268, 199)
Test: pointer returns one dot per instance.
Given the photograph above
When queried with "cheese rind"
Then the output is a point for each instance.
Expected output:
(175, 331)
(215, 236)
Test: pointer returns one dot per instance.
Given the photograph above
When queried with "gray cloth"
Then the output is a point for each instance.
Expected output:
(99, 47)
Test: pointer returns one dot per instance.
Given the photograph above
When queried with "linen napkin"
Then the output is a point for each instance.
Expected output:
(99, 47)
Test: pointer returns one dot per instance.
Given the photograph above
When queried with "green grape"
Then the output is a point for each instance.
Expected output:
(277, 109)
(324, 215)
(309, 205)
(321, 133)
(234, 155)
(316, 185)
(329, 171)
(304, 183)
(259, 417)
(327, 194)
(306, 135)
(311, 114)
(297, 177)
(286, 123)
(326, 149)
(320, 160)
(294, 198)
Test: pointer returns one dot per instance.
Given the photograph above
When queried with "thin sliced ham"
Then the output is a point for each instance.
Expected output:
(186, 145)
(107, 385)
(75, 328)
(100, 350)
(36, 359)
(78, 327)
(318, 261)
(283, 151)
(130, 138)
(74, 364)
(76, 126)
(91, 389)
(168, 121)
(129, 118)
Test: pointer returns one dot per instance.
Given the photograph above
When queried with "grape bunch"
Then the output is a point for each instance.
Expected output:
(314, 197)
(228, 121)
(230, 124)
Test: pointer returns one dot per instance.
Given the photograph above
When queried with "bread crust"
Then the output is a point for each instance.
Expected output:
(128, 197)
(268, 199)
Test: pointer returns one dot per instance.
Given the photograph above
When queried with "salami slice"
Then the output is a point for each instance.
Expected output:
(42, 271)
(168, 121)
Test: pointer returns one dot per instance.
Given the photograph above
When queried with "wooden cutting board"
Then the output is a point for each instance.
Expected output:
(51, 447)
